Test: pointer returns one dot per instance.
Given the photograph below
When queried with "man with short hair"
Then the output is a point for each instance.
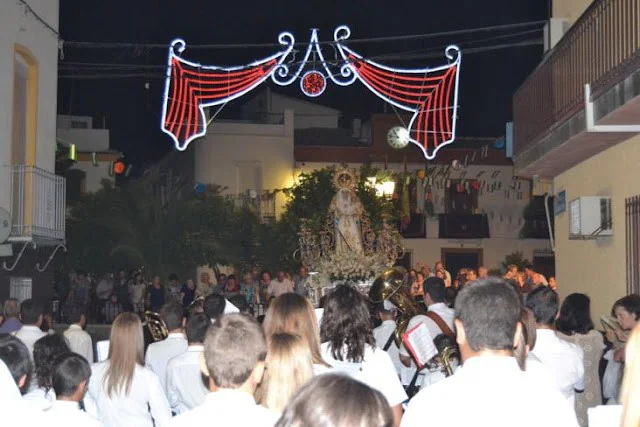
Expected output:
(489, 389)
(185, 388)
(385, 333)
(234, 360)
(471, 275)
(79, 341)
(70, 380)
(483, 273)
(438, 320)
(533, 277)
(447, 276)
(159, 353)
(280, 286)
(15, 355)
(563, 360)
(11, 311)
(31, 314)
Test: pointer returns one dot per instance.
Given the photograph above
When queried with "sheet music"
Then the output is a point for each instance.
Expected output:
(420, 344)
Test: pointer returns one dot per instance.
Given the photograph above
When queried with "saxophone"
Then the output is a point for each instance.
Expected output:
(390, 286)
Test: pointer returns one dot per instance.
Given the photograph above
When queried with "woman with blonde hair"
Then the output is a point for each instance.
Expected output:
(289, 367)
(127, 393)
(293, 314)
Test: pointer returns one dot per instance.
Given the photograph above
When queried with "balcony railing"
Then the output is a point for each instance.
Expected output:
(262, 203)
(601, 48)
(37, 205)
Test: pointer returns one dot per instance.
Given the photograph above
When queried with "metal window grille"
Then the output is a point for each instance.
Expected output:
(20, 288)
(632, 213)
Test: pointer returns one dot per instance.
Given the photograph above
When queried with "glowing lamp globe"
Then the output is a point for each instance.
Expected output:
(398, 137)
(118, 168)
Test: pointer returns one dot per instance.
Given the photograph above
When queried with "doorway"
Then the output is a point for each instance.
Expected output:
(456, 258)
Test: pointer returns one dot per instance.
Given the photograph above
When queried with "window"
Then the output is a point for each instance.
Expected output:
(460, 198)
(632, 232)
(20, 288)
(24, 113)
(79, 124)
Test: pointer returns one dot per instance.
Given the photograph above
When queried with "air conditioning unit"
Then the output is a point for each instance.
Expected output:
(590, 217)
(553, 32)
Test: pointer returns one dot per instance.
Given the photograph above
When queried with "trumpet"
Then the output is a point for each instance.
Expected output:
(156, 325)
(446, 355)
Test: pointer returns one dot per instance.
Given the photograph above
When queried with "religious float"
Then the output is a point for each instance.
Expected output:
(346, 249)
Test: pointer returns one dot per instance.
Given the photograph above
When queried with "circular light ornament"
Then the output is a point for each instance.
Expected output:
(313, 83)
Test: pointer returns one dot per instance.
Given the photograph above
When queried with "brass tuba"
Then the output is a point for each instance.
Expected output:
(390, 286)
(156, 325)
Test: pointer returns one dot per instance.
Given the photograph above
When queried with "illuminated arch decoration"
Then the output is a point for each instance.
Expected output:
(429, 94)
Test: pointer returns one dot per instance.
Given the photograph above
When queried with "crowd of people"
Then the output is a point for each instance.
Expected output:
(108, 295)
(502, 343)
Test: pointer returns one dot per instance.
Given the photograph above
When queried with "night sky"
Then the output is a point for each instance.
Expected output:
(132, 112)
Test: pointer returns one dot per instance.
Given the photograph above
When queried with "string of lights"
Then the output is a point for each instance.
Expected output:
(88, 66)
(105, 73)
(116, 45)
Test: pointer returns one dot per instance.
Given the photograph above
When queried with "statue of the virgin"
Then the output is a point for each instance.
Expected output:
(347, 211)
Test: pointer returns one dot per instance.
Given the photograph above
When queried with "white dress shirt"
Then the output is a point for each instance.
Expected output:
(65, 413)
(227, 408)
(376, 370)
(29, 334)
(80, 342)
(185, 386)
(447, 314)
(145, 403)
(39, 398)
(381, 335)
(159, 353)
(563, 360)
(489, 391)
(13, 409)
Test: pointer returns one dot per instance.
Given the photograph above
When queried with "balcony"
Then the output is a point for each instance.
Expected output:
(601, 49)
(261, 203)
(37, 206)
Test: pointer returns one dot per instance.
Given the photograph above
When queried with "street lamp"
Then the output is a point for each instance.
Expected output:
(383, 188)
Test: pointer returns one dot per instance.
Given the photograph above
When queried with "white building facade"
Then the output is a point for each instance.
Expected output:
(94, 155)
(29, 190)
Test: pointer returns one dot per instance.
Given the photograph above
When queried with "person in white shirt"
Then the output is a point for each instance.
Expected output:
(79, 341)
(235, 350)
(45, 351)
(15, 369)
(15, 355)
(335, 400)
(562, 359)
(281, 285)
(434, 297)
(214, 306)
(489, 389)
(31, 314)
(349, 347)
(439, 267)
(70, 378)
(127, 393)
(159, 353)
(185, 388)
(385, 333)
